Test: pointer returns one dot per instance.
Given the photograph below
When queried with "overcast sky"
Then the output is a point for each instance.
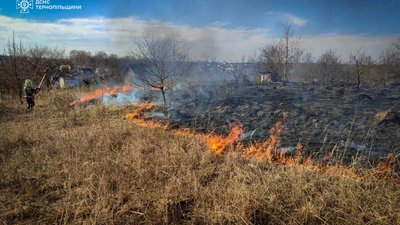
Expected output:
(221, 29)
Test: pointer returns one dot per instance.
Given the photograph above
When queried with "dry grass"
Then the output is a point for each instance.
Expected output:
(60, 165)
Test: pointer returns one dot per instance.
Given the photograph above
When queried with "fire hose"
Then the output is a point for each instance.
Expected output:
(41, 82)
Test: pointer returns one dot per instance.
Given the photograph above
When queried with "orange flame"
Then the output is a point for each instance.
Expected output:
(126, 88)
(269, 148)
(100, 92)
(138, 115)
(216, 143)
(219, 143)
(140, 109)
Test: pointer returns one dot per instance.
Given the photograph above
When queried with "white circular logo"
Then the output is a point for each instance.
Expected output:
(24, 5)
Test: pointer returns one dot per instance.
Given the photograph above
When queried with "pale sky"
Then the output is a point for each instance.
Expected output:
(221, 29)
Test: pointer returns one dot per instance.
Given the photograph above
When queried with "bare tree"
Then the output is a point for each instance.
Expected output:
(13, 65)
(44, 60)
(272, 59)
(388, 65)
(280, 56)
(308, 70)
(362, 65)
(328, 67)
(163, 59)
(396, 59)
(292, 49)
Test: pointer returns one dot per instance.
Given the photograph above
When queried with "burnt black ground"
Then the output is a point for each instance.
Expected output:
(323, 119)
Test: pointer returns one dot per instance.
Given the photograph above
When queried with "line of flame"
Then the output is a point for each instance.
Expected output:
(100, 92)
(267, 150)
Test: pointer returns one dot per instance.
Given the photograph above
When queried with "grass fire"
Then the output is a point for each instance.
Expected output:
(95, 163)
(210, 112)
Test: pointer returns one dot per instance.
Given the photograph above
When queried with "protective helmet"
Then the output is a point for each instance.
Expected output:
(28, 83)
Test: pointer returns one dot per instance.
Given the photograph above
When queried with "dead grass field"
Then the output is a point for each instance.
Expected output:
(91, 166)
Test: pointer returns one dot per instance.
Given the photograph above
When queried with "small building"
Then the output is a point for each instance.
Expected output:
(263, 77)
(65, 77)
(131, 74)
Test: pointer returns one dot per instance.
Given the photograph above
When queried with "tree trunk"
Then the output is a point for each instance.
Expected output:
(13, 51)
(287, 59)
(163, 95)
(20, 95)
(17, 79)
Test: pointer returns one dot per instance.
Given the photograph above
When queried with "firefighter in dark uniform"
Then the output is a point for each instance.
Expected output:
(29, 91)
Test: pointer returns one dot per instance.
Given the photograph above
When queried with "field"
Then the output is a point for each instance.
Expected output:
(90, 165)
(333, 121)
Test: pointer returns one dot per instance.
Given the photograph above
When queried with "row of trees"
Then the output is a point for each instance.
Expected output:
(163, 59)
(19, 63)
(107, 66)
(358, 70)
(282, 59)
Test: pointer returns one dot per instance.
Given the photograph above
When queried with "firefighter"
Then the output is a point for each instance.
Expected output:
(29, 91)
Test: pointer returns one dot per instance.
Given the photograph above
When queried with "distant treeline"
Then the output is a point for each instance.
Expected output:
(284, 59)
